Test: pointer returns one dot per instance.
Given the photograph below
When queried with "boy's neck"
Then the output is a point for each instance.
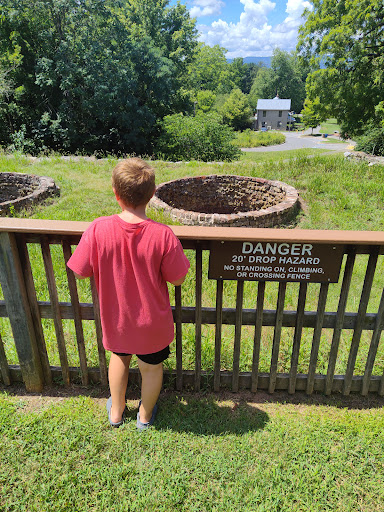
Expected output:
(133, 215)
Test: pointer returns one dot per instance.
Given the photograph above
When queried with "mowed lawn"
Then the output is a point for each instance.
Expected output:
(225, 452)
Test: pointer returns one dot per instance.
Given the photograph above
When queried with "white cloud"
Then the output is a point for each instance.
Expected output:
(253, 34)
(206, 8)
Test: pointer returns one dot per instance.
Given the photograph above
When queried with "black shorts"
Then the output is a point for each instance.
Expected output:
(155, 358)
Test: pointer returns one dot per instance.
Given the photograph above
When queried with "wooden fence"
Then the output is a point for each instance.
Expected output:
(25, 313)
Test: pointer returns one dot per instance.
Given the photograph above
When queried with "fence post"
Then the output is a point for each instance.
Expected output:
(16, 301)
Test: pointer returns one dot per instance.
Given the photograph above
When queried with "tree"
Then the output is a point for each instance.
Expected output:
(236, 111)
(312, 114)
(343, 42)
(251, 70)
(286, 77)
(93, 75)
(201, 137)
(262, 87)
(210, 71)
(205, 100)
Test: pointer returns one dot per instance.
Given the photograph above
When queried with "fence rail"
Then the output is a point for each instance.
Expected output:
(26, 312)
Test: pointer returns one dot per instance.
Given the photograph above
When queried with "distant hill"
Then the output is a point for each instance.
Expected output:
(264, 60)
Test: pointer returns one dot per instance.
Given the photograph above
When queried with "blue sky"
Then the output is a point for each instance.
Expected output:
(248, 28)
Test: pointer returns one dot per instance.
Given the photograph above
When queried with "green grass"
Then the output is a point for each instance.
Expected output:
(203, 454)
(329, 126)
(276, 156)
(251, 139)
(336, 194)
(206, 452)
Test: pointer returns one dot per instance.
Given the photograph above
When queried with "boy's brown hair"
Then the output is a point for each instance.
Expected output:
(134, 181)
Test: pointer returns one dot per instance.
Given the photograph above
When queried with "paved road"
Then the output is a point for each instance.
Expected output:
(299, 140)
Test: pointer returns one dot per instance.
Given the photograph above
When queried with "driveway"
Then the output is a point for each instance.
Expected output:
(305, 139)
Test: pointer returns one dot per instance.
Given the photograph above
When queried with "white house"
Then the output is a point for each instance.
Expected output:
(272, 114)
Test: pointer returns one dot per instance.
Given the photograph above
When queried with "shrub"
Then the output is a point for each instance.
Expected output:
(202, 137)
(373, 141)
(250, 139)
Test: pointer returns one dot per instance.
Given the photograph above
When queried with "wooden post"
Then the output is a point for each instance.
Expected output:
(276, 337)
(199, 280)
(257, 336)
(219, 323)
(15, 295)
(237, 341)
(297, 337)
(179, 339)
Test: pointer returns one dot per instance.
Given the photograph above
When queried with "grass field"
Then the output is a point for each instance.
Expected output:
(336, 194)
(251, 139)
(224, 452)
(206, 453)
(329, 126)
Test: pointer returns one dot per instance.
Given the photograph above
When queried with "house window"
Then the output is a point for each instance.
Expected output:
(280, 113)
(264, 113)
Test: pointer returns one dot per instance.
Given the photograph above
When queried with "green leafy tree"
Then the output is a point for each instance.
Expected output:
(286, 77)
(263, 86)
(201, 137)
(236, 111)
(343, 43)
(289, 78)
(312, 114)
(250, 71)
(205, 100)
(93, 75)
(210, 71)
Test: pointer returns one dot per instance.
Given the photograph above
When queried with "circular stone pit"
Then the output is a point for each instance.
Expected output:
(18, 191)
(227, 200)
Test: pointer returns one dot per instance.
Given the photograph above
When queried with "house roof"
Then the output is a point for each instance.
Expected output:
(274, 104)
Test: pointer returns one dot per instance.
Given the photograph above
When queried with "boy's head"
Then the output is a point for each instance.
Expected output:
(133, 181)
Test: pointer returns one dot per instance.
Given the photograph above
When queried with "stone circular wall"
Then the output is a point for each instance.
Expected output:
(19, 191)
(221, 200)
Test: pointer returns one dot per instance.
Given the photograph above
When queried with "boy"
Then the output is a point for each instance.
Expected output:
(131, 258)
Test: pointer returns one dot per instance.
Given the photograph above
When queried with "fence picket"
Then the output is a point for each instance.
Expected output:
(34, 307)
(76, 313)
(198, 305)
(19, 313)
(179, 339)
(297, 337)
(237, 341)
(316, 337)
(99, 335)
(4, 369)
(373, 347)
(339, 320)
(219, 321)
(365, 294)
(51, 281)
(257, 336)
(276, 337)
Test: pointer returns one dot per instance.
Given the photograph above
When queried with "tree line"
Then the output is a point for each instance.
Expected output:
(100, 76)
(109, 76)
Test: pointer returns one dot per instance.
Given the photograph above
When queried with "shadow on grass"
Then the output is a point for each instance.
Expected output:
(207, 416)
(206, 411)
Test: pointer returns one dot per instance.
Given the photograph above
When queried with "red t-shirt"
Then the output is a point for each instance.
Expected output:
(131, 264)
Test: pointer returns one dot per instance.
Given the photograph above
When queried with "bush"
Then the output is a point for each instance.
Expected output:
(250, 139)
(202, 137)
(373, 141)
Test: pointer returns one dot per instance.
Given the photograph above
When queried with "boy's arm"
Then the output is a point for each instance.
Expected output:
(78, 276)
(179, 281)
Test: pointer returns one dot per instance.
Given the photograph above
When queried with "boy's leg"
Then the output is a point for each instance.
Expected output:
(151, 383)
(118, 381)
